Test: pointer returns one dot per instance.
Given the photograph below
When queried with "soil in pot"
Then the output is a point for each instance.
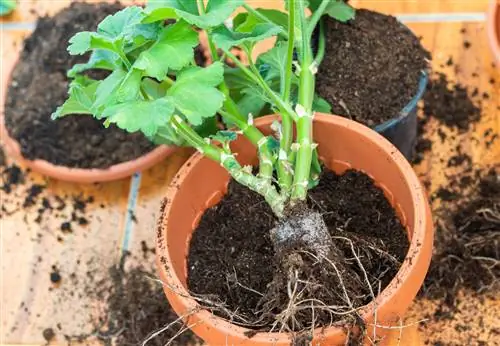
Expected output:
(232, 259)
(372, 67)
(39, 85)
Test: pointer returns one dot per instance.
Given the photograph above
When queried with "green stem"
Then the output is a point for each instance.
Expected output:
(316, 16)
(321, 44)
(124, 58)
(305, 114)
(263, 18)
(283, 106)
(226, 159)
(285, 176)
(256, 137)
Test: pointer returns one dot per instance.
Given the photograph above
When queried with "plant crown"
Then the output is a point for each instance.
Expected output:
(155, 86)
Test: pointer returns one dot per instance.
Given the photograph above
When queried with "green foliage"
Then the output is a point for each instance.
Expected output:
(216, 13)
(226, 38)
(246, 22)
(336, 9)
(195, 92)
(7, 6)
(172, 50)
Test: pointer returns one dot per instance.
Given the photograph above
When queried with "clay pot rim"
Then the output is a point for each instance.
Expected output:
(421, 217)
(493, 27)
(78, 175)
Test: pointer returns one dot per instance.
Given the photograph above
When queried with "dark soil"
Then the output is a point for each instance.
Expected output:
(135, 307)
(232, 259)
(450, 103)
(372, 67)
(467, 244)
(40, 77)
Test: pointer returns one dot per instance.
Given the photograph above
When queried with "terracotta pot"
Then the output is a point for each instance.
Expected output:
(78, 175)
(343, 144)
(493, 23)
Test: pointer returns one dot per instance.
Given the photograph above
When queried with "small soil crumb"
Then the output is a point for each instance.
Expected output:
(11, 177)
(357, 51)
(225, 266)
(48, 334)
(467, 245)
(40, 76)
(55, 276)
(66, 227)
(450, 103)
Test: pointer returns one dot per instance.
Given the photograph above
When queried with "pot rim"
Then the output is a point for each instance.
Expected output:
(493, 27)
(419, 239)
(78, 175)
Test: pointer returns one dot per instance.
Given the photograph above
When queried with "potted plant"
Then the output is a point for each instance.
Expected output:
(305, 260)
(494, 28)
(76, 149)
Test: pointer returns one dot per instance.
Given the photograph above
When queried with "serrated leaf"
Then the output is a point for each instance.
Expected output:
(144, 116)
(246, 22)
(336, 9)
(217, 11)
(173, 50)
(153, 88)
(99, 59)
(224, 136)
(226, 39)
(84, 41)
(195, 92)
(122, 23)
(7, 6)
(80, 100)
(124, 29)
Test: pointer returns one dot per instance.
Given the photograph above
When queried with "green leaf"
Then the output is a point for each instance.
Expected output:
(124, 29)
(173, 50)
(80, 100)
(144, 116)
(99, 59)
(246, 22)
(217, 11)
(84, 41)
(166, 135)
(7, 6)
(153, 88)
(105, 93)
(121, 24)
(195, 92)
(336, 9)
(275, 59)
(224, 136)
(226, 39)
(130, 86)
(321, 105)
(250, 103)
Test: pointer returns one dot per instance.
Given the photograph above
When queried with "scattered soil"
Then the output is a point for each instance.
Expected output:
(369, 75)
(467, 244)
(135, 307)
(224, 264)
(450, 103)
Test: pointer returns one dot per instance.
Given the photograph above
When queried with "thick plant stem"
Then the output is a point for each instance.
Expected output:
(285, 170)
(266, 160)
(305, 115)
(226, 159)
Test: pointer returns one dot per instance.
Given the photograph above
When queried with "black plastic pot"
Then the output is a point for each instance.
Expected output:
(402, 130)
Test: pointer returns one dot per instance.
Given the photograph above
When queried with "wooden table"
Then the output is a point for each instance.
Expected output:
(29, 249)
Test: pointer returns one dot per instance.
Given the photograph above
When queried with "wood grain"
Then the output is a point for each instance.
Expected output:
(26, 280)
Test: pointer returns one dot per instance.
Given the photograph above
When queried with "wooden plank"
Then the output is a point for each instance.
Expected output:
(103, 237)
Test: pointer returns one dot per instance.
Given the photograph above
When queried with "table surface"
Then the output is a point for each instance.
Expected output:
(29, 249)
